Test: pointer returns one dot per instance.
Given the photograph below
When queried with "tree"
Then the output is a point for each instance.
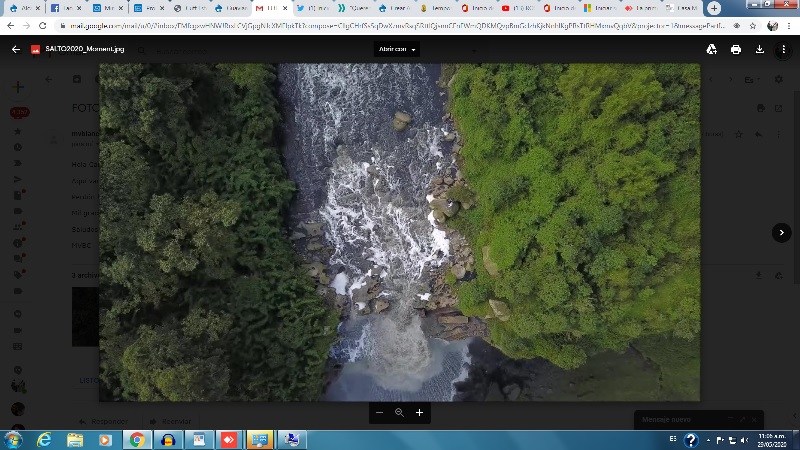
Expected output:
(587, 185)
(202, 295)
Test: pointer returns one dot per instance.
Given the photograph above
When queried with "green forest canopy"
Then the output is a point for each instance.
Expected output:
(202, 295)
(588, 185)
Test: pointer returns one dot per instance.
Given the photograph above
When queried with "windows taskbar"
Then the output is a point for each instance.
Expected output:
(399, 440)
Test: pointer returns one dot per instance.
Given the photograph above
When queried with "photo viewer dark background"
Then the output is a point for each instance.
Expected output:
(749, 356)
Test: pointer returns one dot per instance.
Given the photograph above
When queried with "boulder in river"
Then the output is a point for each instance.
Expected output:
(372, 170)
(381, 305)
(314, 245)
(459, 271)
(401, 121)
(313, 228)
(449, 208)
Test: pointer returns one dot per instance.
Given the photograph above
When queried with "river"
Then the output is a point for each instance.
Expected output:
(368, 183)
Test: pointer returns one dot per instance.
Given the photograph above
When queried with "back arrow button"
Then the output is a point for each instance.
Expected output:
(14, 49)
(10, 25)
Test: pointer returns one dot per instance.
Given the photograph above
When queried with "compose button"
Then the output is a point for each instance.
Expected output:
(401, 49)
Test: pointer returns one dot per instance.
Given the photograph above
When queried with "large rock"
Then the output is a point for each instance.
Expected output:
(372, 170)
(450, 137)
(512, 392)
(381, 305)
(297, 235)
(401, 121)
(314, 245)
(488, 264)
(449, 208)
(315, 268)
(439, 216)
(459, 271)
(453, 320)
(500, 310)
(313, 229)
(361, 295)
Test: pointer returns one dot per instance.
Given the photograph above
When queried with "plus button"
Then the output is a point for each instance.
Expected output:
(419, 413)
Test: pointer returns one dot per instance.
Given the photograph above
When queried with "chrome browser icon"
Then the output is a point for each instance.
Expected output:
(137, 439)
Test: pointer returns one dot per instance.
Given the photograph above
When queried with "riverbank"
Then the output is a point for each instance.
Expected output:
(531, 281)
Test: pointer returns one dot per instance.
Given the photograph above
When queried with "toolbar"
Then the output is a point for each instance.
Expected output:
(125, 8)
(398, 440)
(397, 8)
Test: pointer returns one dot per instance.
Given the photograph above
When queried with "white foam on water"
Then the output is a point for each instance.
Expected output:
(362, 281)
(343, 116)
(339, 283)
(424, 297)
(429, 198)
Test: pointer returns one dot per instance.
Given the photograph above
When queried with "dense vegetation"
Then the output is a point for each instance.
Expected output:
(202, 296)
(588, 186)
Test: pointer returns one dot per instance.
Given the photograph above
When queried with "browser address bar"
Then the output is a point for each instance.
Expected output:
(477, 26)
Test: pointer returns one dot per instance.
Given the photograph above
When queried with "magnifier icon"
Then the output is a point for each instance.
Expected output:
(399, 412)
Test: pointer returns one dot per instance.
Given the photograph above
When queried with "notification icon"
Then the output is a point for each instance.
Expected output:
(547, 8)
(506, 8)
(464, 8)
(36, 49)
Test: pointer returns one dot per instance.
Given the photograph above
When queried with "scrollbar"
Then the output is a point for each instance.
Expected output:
(796, 440)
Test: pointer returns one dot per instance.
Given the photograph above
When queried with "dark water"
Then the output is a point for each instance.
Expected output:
(368, 182)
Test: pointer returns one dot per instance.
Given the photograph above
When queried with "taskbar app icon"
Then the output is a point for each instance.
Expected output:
(44, 439)
(137, 440)
(260, 439)
(105, 440)
(291, 440)
(168, 439)
(229, 439)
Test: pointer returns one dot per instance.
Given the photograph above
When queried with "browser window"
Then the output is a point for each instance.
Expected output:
(404, 215)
